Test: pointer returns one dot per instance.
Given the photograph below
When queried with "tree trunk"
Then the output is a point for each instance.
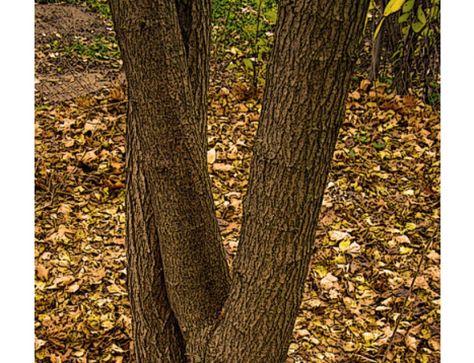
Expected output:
(167, 154)
(183, 305)
(315, 49)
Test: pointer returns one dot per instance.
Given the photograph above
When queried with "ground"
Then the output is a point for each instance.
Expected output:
(372, 294)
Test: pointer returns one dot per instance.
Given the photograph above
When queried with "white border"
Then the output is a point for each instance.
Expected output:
(17, 181)
(457, 180)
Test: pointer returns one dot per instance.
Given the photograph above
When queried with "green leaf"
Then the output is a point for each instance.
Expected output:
(377, 30)
(393, 6)
(405, 30)
(434, 11)
(421, 15)
(271, 15)
(403, 18)
(408, 6)
(248, 63)
(379, 146)
(417, 27)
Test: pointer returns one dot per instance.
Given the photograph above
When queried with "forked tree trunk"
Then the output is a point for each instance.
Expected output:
(184, 306)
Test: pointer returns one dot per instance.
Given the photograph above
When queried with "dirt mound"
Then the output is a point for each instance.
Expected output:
(67, 20)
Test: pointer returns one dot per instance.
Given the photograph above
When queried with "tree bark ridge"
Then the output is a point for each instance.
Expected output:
(315, 49)
(156, 332)
(195, 22)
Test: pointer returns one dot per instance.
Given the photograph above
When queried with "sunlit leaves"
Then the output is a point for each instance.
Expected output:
(393, 6)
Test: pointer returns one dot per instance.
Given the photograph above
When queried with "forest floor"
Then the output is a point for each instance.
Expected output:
(372, 294)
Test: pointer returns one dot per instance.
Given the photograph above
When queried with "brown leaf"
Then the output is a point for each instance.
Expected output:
(364, 84)
(42, 272)
(73, 288)
(89, 157)
(411, 342)
(327, 282)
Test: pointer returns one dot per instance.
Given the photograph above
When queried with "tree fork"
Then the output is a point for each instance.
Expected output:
(315, 48)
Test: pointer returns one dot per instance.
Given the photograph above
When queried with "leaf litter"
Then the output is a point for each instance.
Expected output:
(364, 300)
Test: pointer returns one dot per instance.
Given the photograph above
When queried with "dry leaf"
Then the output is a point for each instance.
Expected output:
(338, 235)
(211, 156)
(222, 167)
(42, 272)
(327, 282)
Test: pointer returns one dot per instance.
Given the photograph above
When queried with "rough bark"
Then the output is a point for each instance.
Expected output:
(315, 49)
(156, 334)
(175, 255)
(166, 153)
(195, 20)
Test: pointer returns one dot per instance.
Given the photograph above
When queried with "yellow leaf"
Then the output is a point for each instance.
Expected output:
(321, 271)
(379, 27)
(405, 250)
(393, 6)
(369, 337)
(344, 245)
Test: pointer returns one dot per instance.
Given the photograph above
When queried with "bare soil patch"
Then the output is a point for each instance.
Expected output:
(61, 75)
(67, 20)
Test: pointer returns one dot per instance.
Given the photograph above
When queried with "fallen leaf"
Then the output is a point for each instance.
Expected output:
(327, 282)
(338, 235)
(411, 342)
(42, 272)
(222, 167)
(211, 156)
(89, 157)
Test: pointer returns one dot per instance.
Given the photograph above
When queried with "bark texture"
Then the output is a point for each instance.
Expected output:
(195, 21)
(184, 308)
(166, 153)
(156, 333)
(315, 49)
